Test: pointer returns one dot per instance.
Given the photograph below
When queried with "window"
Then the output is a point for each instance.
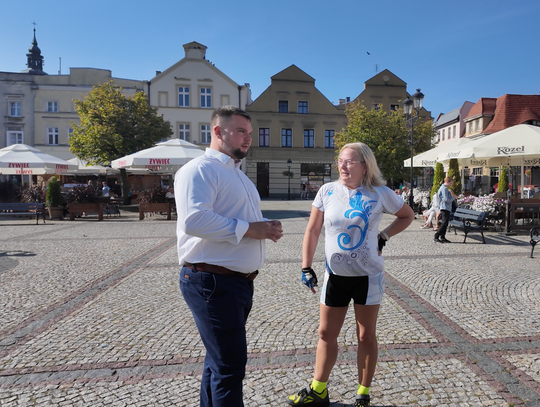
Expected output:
(52, 134)
(15, 109)
(309, 135)
(283, 106)
(377, 106)
(286, 137)
(183, 96)
(52, 106)
(443, 134)
(394, 107)
(206, 97)
(14, 137)
(478, 171)
(477, 125)
(302, 107)
(70, 132)
(470, 127)
(183, 131)
(264, 137)
(454, 131)
(329, 139)
(205, 134)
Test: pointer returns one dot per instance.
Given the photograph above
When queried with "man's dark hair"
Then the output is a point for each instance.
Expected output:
(227, 112)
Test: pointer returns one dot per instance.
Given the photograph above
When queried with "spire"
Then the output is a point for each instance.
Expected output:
(34, 60)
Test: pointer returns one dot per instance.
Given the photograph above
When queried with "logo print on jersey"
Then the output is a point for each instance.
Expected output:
(359, 208)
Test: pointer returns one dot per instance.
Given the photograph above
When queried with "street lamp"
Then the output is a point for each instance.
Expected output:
(408, 106)
(289, 163)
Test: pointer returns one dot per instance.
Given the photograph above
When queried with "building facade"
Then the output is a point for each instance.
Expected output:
(187, 93)
(450, 126)
(39, 109)
(292, 120)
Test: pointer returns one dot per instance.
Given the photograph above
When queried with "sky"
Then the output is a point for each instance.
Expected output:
(454, 51)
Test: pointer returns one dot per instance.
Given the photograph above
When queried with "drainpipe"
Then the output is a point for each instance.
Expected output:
(239, 97)
(148, 83)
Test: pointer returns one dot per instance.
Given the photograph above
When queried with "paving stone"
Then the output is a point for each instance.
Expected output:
(459, 324)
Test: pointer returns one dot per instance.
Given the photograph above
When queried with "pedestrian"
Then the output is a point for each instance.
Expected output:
(303, 191)
(431, 213)
(350, 210)
(221, 245)
(445, 207)
(105, 190)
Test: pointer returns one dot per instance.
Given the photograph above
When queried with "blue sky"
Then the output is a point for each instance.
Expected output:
(453, 50)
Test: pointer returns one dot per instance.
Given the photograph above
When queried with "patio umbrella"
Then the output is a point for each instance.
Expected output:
(166, 156)
(84, 168)
(513, 146)
(25, 160)
(429, 158)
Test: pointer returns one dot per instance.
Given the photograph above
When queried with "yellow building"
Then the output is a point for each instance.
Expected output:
(292, 120)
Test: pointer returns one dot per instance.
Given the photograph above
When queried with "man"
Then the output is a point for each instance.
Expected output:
(445, 206)
(221, 245)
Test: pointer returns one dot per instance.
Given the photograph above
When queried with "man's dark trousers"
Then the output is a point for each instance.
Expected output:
(220, 305)
(445, 218)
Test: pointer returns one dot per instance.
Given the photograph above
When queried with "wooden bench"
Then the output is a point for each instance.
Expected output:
(468, 221)
(535, 238)
(23, 209)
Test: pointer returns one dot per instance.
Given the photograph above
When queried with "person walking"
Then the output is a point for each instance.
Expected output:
(221, 245)
(445, 207)
(350, 210)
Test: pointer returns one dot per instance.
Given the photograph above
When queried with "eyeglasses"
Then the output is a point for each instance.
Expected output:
(347, 163)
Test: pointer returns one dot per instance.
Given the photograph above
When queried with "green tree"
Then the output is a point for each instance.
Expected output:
(113, 125)
(503, 181)
(438, 178)
(453, 172)
(387, 135)
(53, 197)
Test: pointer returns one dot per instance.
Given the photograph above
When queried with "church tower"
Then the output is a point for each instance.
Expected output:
(34, 59)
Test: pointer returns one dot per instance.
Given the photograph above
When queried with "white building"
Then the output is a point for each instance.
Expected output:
(187, 93)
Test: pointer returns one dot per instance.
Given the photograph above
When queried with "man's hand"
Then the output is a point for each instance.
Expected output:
(309, 278)
(270, 229)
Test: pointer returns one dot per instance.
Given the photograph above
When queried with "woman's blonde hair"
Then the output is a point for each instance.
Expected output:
(373, 177)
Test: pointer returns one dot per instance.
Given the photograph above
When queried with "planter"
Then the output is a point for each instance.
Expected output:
(154, 207)
(87, 207)
(56, 212)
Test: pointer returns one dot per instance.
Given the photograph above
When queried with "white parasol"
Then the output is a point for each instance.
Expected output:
(166, 156)
(22, 159)
(84, 168)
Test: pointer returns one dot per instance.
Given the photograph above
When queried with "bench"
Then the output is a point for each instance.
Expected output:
(23, 209)
(535, 238)
(468, 221)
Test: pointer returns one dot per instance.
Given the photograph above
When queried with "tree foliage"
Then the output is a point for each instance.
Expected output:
(438, 178)
(453, 172)
(387, 135)
(113, 125)
(503, 180)
(53, 196)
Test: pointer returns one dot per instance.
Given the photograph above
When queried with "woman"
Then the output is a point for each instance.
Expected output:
(350, 210)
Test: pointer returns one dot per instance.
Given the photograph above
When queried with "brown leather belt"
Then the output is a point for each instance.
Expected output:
(211, 268)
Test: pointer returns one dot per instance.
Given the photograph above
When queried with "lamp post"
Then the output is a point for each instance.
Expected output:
(289, 163)
(408, 106)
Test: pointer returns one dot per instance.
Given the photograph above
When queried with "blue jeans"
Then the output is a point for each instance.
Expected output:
(220, 306)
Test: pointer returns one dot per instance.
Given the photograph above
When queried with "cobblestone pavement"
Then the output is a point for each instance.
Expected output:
(91, 315)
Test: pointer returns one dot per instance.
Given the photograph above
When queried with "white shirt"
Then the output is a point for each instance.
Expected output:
(215, 202)
(351, 222)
